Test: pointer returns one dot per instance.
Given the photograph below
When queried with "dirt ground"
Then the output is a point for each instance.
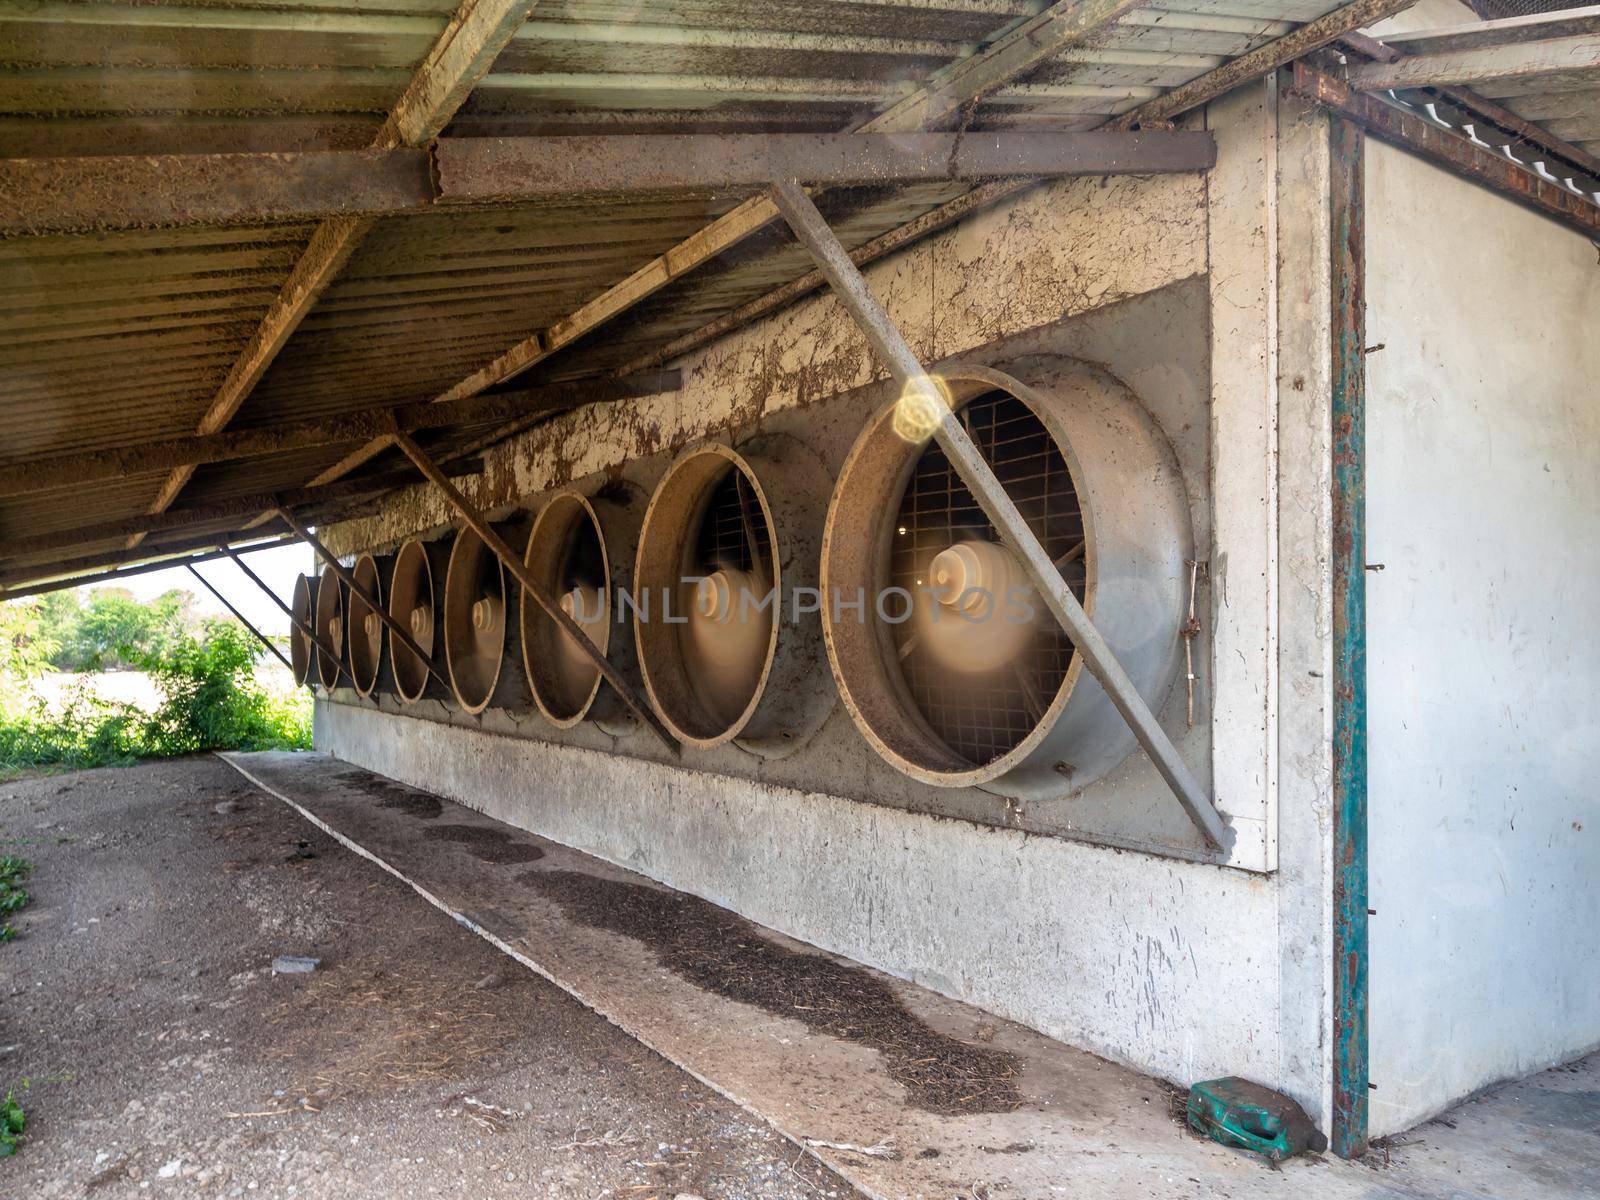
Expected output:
(163, 1055)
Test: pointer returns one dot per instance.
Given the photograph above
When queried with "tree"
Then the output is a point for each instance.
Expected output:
(115, 630)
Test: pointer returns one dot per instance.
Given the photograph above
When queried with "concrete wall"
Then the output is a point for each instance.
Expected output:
(1186, 969)
(1483, 450)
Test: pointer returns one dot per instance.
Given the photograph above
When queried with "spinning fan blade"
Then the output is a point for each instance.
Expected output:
(415, 600)
(728, 539)
(725, 639)
(368, 670)
(951, 693)
(569, 555)
(970, 620)
(482, 647)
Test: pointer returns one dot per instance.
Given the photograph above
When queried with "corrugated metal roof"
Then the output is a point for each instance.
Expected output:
(113, 339)
(1567, 103)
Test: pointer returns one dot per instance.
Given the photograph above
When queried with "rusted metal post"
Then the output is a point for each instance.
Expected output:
(342, 573)
(1348, 275)
(925, 405)
(512, 561)
(260, 637)
(309, 630)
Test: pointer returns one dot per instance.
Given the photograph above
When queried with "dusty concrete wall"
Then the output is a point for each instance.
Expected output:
(1483, 450)
(1184, 969)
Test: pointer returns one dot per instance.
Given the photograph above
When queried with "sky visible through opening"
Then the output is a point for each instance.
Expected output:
(277, 568)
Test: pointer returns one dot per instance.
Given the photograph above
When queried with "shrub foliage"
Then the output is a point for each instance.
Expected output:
(204, 670)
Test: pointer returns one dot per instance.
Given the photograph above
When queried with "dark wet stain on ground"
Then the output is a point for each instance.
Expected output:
(487, 845)
(721, 952)
(414, 802)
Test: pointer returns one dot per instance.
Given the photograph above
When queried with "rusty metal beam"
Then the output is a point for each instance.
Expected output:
(513, 562)
(223, 600)
(76, 195)
(491, 170)
(1013, 52)
(1264, 59)
(244, 508)
(462, 54)
(70, 470)
(1063, 24)
(344, 576)
(918, 392)
(1536, 136)
(72, 195)
(1450, 151)
(119, 564)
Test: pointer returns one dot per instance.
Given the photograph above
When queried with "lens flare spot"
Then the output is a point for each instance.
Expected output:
(922, 406)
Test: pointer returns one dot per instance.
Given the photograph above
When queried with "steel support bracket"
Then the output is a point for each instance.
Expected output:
(919, 390)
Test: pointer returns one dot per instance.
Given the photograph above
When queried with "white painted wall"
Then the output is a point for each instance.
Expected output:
(1483, 453)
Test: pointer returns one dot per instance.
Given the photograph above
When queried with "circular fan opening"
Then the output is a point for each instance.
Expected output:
(411, 603)
(979, 657)
(567, 556)
(708, 575)
(366, 628)
(329, 626)
(303, 605)
(474, 621)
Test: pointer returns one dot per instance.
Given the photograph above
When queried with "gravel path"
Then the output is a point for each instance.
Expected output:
(165, 1057)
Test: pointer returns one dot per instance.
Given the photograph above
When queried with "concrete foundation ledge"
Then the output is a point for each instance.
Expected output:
(1167, 966)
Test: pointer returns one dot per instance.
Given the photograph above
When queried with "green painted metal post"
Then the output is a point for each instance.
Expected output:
(1350, 1067)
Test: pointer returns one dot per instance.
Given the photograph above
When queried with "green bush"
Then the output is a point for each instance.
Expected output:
(210, 701)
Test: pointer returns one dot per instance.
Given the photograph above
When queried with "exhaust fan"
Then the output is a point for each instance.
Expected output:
(481, 636)
(727, 541)
(330, 627)
(415, 591)
(367, 667)
(304, 607)
(956, 673)
(579, 552)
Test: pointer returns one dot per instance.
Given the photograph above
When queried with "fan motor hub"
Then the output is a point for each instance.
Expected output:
(717, 596)
(486, 614)
(972, 575)
(420, 620)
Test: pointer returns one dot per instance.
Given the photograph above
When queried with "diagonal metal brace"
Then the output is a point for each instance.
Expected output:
(344, 575)
(513, 563)
(917, 387)
(309, 630)
(223, 600)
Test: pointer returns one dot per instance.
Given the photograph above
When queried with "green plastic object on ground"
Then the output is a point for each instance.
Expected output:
(1236, 1112)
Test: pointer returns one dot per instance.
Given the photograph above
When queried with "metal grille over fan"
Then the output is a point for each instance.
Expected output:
(962, 678)
(728, 538)
(304, 606)
(416, 600)
(580, 552)
(330, 627)
(482, 636)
